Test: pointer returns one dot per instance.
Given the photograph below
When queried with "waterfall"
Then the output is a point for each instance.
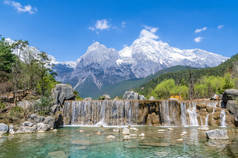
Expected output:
(183, 114)
(223, 118)
(135, 112)
(192, 114)
(206, 120)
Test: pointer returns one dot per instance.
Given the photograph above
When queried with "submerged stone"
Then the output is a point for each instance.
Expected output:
(57, 154)
(217, 134)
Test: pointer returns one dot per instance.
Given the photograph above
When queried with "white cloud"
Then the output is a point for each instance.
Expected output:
(100, 25)
(200, 30)
(220, 27)
(198, 39)
(21, 8)
(149, 32)
(151, 29)
(123, 24)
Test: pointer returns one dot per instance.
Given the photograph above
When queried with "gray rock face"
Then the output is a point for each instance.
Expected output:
(3, 128)
(27, 129)
(131, 95)
(230, 94)
(41, 127)
(28, 123)
(26, 104)
(49, 121)
(217, 134)
(62, 92)
(230, 101)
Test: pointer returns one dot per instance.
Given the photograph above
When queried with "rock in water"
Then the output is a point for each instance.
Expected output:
(125, 131)
(41, 127)
(217, 134)
(63, 92)
(3, 128)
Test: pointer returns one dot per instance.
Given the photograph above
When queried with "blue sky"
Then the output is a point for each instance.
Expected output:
(65, 28)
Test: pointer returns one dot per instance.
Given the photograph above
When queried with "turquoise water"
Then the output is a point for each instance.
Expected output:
(93, 142)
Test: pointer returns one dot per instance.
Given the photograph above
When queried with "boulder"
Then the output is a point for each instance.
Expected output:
(54, 108)
(27, 123)
(125, 131)
(232, 107)
(3, 128)
(36, 118)
(131, 95)
(11, 130)
(229, 94)
(217, 134)
(49, 121)
(27, 129)
(41, 127)
(62, 92)
(27, 105)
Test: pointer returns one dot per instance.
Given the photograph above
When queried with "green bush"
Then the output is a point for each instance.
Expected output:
(2, 106)
(44, 104)
(16, 111)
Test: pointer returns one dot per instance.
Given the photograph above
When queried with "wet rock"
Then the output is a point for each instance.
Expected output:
(133, 135)
(161, 154)
(49, 121)
(3, 128)
(27, 129)
(126, 137)
(160, 144)
(62, 92)
(116, 130)
(141, 135)
(28, 123)
(230, 94)
(217, 134)
(41, 127)
(81, 142)
(232, 148)
(134, 129)
(111, 137)
(220, 144)
(232, 107)
(57, 154)
(125, 131)
(54, 108)
(161, 130)
(204, 128)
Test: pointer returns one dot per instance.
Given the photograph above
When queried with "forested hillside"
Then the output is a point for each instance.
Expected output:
(24, 72)
(213, 80)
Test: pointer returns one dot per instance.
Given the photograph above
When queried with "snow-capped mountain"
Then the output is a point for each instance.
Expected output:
(101, 66)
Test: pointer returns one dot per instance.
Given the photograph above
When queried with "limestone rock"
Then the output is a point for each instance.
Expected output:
(62, 92)
(111, 137)
(27, 129)
(125, 131)
(27, 123)
(27, 104)
(131, 95)
(3, 128)
(41, 127)
(217, 134)
(49, 121)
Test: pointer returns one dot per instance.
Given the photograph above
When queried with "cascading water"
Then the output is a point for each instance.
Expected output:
(223, 118)
(183, 114)
(192, 114)
(134, 112)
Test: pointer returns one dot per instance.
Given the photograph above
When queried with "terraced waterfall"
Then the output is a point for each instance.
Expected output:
(137, 112)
